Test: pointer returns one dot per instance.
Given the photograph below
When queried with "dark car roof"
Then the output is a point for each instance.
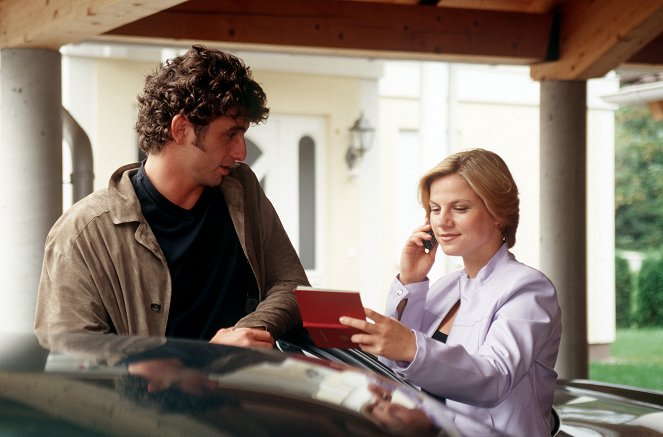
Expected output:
(597, 408)
(112, 385)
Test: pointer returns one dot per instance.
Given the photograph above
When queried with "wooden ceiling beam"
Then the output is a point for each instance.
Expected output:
(400, 2)
(54, 23)
(651, 56)
(656, 109)
(503, 5)
(598, 36)
(366, 28)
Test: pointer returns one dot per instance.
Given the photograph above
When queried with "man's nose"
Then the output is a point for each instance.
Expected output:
(239, 149)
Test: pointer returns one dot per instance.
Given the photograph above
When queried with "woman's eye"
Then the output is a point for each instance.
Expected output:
(460, 208)
(434, 210)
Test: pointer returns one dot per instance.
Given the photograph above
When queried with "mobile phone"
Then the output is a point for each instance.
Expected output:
(430, 244)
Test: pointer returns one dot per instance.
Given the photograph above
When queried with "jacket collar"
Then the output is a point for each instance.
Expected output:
(500, 257)
(124, 205)
(233, 192)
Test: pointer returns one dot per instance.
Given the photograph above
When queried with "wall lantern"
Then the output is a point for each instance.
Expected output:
(361, 140)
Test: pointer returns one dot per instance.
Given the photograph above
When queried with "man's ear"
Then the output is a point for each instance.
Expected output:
(178, 128)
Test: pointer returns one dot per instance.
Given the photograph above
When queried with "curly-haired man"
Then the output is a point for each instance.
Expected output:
(184, 244)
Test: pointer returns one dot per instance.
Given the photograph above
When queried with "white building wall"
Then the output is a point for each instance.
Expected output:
(498, 110)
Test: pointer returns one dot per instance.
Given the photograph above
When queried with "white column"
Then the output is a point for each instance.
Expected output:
(30, 175)
(563, 117)
(438, 136)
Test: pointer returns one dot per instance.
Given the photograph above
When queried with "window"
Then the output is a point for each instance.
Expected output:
(307, 202)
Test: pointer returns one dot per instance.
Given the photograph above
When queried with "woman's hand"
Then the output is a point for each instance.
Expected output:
(386, 337)
(416, 262)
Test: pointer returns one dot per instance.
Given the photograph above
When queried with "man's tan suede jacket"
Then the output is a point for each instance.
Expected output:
(104, 271)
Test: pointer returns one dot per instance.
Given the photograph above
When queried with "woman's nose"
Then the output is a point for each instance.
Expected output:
(445, 219)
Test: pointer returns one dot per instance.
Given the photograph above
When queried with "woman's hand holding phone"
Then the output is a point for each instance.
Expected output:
(416, 258)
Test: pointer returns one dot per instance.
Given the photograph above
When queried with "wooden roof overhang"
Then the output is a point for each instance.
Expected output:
(558, 39)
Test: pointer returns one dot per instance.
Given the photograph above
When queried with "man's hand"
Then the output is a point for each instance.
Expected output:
(245, 337)
(162, 373)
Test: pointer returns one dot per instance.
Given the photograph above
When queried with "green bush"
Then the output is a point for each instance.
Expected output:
(638, 179)
(649, 296)
(623, 292)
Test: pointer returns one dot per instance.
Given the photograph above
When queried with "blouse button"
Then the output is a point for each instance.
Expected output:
(155, 307)
(399, 292)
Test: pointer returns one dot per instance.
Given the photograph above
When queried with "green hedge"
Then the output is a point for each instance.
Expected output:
(648, 309)
(623, 293)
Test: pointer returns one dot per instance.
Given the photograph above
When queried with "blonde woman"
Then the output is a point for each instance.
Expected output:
(484, 338)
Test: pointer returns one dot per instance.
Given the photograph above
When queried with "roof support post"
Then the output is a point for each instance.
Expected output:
(563, 127)
(30, 175)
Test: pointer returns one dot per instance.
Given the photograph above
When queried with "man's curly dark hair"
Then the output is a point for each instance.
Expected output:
(201, 85)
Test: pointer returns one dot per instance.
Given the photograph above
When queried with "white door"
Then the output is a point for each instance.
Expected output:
(286, 154)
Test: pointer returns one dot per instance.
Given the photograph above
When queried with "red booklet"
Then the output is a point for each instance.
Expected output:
(321, 308)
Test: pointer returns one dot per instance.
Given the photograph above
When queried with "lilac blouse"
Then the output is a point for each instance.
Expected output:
(497, 365)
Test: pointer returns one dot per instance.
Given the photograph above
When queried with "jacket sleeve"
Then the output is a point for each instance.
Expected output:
(524, 327)
(415, 297)
(67, 300)
(275, 262)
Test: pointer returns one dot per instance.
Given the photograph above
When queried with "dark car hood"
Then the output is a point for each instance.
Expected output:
(590, 408)
(115, 385)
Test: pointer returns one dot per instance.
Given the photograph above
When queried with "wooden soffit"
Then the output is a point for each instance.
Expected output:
(363, 28)
(54, 23)
(559, 39)
(596, 37)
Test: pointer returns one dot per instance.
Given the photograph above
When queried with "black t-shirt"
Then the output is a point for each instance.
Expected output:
(210, 274)
(440, 336)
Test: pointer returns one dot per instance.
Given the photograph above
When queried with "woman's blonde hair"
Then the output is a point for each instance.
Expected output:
(489, 177)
